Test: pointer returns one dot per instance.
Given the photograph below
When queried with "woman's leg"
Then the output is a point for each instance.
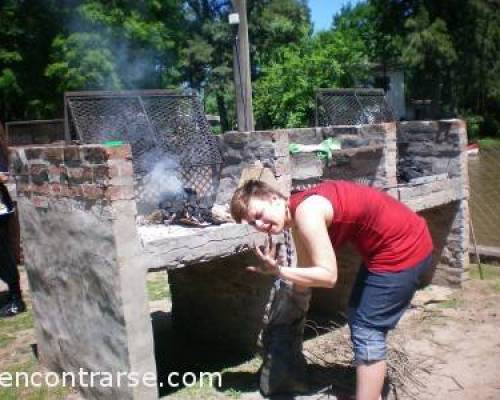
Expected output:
(377, 302)
(370, 380)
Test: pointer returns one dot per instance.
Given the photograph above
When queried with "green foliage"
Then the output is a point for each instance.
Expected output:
(428, 55)
(8, 82)
(82, 65)
(449, 52)
(491, 124)
(473, 125)
(274, 25)
(284, 96)
(26, 32)
(358, 22)
(206, 59)
(429, 45)
(117, 46)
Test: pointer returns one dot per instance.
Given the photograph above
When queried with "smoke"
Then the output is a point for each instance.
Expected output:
(161, 181)
(137, 67)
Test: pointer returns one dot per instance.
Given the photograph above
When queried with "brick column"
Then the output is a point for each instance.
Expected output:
(82, 256)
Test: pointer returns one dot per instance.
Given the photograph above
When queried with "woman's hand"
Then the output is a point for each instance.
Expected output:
(269, 255)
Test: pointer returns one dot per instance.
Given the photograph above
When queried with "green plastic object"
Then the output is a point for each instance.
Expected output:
(113, 143)
(323, 150)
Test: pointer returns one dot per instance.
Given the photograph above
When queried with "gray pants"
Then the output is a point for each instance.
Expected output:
(284, 367)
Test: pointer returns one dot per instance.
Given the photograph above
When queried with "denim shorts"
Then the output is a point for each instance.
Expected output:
(377, 302)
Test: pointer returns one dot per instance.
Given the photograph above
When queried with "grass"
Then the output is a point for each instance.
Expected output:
(19, 323)
(198, 391)
(491, 273)
(238, 375)
(10, 326)
(157, 284)
(451, 303)
(22, 360)
(488, 143)
(30, 393)
(496, 287)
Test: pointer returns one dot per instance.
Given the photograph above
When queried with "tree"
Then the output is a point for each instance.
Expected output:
(284, 96)
(117, 45)
(450, 51)
(26, 32)
(429, 53)
(275, 24)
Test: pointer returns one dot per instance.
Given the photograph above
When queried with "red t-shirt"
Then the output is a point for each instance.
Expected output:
(389, 236)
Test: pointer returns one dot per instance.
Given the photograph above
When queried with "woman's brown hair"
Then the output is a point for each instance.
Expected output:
(250, 189)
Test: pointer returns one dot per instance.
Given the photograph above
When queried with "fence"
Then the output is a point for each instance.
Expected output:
(34, 132)
(484, 177)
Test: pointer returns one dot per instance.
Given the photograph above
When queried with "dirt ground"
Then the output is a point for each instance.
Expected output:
(452, 339)
(461, 339)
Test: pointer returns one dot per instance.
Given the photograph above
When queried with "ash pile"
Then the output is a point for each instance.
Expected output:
(188, 209)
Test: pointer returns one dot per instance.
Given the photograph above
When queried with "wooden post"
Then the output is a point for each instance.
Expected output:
(241, 66)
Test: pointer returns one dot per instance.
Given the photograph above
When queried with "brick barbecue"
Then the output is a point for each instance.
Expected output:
(87, 258)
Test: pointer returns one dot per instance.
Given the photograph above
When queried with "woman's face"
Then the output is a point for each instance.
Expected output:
(267, 215)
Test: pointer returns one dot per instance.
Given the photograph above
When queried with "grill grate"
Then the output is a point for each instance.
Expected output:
(352, 107)
(173, 149)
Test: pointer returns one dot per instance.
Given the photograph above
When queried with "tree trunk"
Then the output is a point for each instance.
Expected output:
(221, 106)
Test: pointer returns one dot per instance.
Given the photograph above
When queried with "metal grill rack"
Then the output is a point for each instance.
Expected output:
(351, 107)
(174, 151)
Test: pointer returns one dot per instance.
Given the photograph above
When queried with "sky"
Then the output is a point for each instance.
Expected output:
(322, 12)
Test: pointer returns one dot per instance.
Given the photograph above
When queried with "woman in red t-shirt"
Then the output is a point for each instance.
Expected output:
(393, 241)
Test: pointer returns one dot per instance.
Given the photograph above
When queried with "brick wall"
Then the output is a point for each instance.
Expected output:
(83, 260)
(90, 176)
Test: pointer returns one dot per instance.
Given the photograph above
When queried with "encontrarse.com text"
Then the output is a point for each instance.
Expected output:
(107, 379)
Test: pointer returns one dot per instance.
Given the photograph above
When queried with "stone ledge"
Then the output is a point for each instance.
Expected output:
(432, 194)
(170, 247)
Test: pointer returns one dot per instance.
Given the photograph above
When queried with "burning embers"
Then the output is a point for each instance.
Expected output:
(186, 208)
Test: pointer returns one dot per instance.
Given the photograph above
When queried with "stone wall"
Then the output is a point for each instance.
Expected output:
(222, 301)
(449, 226)
(432, 148)
(246, 149)
(440, 148)
(367, 155)
(82, 259)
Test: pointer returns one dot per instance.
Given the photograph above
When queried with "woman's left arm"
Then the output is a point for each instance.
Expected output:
(316, 258)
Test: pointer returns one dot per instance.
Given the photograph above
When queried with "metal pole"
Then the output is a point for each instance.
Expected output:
(67, 134)
(242, 78)
(481, 275)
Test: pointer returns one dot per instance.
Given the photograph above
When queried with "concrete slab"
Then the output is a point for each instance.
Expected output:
(169, 247)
